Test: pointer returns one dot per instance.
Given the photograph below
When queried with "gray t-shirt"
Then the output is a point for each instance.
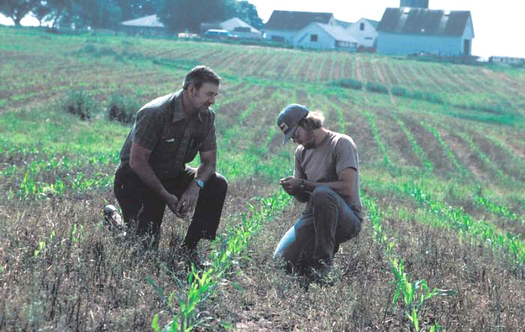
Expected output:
(336, 153)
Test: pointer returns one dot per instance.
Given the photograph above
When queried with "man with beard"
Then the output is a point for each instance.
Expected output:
(167, 133)
(326, 178)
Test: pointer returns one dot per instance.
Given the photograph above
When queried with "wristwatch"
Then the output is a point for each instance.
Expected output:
(302, 186)
(199, 183)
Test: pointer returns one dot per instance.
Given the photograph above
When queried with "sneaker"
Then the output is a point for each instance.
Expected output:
(114, 221)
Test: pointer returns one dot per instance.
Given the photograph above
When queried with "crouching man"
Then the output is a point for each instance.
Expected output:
(168, 133)
(326, 178)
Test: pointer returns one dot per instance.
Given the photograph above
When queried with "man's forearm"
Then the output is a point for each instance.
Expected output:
(205, 171)
(146, 174)
(338, 186)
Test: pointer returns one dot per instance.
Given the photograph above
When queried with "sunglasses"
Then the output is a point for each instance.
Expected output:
(296, 134)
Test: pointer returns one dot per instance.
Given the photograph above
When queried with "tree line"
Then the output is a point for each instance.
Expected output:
(177, 15)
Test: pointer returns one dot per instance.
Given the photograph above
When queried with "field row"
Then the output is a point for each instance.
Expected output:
(453, 83)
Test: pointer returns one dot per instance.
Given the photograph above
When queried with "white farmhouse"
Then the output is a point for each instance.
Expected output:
(147, 25)
(241, 29)
(325, 37)
(284, 25)
(365, 32)
(408, 30)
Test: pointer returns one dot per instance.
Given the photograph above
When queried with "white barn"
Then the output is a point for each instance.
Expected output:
(284, 25)
(147, 25)
(365, 32)
(406, 30)
(241, 29)
(325, 37)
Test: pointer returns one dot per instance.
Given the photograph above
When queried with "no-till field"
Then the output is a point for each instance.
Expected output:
(442, 175)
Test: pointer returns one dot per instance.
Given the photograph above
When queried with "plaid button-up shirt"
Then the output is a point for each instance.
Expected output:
(174, 139)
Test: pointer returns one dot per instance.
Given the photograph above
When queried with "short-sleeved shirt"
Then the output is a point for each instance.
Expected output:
(174, 139)
(323, 163)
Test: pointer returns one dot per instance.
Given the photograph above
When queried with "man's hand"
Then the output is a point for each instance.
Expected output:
(188, 201)
(291, 185)
(172, 201)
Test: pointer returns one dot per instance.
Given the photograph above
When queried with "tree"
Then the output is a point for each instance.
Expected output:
(17, 9)
(104, 14)
(248, 13)
(61, 12)
(187, 15)
(138, 8)
(182, 15)
(41, 10)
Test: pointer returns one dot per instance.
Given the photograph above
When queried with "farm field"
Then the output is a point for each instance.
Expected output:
(442, 157)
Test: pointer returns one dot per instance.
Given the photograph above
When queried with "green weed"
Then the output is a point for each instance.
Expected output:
(81, 104)
(122, 108)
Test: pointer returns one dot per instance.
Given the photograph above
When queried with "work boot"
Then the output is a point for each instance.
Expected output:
(114, 221)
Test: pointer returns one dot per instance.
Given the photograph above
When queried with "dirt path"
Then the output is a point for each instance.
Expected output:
(358, 72)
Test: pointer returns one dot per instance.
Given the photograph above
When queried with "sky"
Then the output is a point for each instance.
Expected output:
(497, 26)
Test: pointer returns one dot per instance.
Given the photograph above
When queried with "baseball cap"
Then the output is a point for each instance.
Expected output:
(289, 119)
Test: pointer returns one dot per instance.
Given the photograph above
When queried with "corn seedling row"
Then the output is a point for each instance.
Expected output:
(484, 158)
(379, 141)
(427, 165)
(456, 218)
(414, 294)
(445, 148)
(228, 251)
(497, 209)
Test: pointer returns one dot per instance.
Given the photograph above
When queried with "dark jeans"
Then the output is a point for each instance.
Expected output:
(143, 209)
(326, 222)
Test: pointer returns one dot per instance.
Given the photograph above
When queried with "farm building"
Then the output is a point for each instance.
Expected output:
(343, 24)
(148, 25)
(406, 30)
(325, 37)
(240, 28)
(284, 25)
(365, 32)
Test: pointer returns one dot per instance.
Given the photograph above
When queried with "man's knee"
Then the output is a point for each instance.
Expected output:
(322, 195)
(219, 183)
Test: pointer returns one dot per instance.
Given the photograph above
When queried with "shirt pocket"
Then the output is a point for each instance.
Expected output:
(167, 148)
(194, 146)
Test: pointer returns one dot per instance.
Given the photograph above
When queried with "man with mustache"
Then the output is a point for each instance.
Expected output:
(168, 132)
(326, 178)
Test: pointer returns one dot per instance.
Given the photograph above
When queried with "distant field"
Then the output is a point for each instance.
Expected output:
(442, 173)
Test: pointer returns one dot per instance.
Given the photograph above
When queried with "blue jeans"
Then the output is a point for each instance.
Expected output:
(326, 222)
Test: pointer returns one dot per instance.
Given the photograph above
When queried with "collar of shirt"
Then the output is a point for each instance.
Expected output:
(178, 109)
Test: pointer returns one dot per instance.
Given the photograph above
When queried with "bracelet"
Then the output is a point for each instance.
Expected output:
(199, 183)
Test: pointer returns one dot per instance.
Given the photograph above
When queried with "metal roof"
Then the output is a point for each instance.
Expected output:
(373, 22)
(419, 21)
(337, 32)
(151, 21)
(295, 21)
(235, 22)
(344, 24)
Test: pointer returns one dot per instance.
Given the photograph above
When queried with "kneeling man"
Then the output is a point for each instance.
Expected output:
(326, 178)
(168, 133)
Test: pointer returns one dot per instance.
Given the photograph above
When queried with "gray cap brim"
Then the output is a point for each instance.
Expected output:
(290, 133)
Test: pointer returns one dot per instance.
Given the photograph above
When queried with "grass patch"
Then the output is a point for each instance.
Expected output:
(122, 108)
(376, 87)
(81, 104)
(348, 83)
